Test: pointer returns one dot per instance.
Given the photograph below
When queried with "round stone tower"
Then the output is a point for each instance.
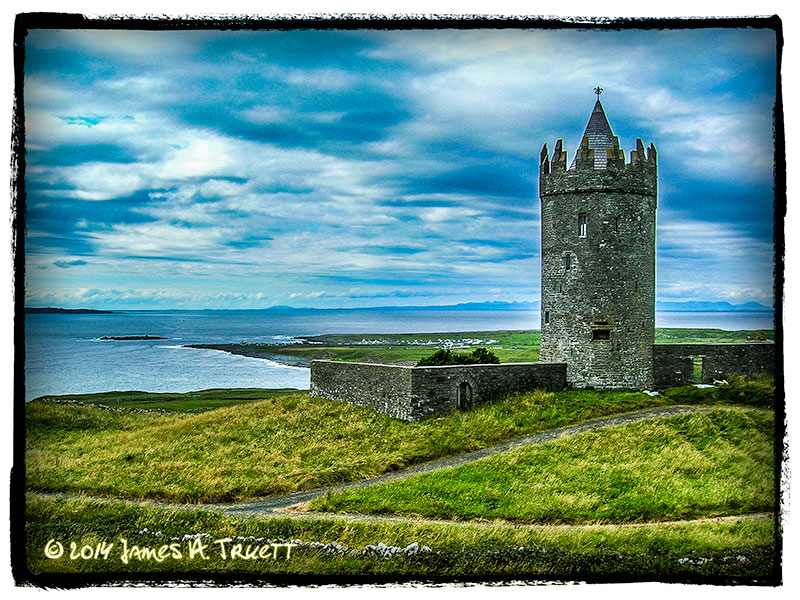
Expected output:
(599, 259)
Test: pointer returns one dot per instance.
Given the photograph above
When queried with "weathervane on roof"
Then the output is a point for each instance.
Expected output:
(598, 90)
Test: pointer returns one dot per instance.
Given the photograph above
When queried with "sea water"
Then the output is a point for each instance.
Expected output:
(65, 355)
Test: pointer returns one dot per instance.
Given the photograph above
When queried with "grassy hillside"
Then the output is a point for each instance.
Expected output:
(285, 443)
(289, 442)
(688, 466)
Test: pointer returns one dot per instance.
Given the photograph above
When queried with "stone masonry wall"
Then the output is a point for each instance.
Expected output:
(435, 390)
(383, 388)
(673, 365)
(414, 393)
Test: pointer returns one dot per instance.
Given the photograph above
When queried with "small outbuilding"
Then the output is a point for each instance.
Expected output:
(414, 393)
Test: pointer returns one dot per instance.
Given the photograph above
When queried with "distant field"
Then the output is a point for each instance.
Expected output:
(382, 353)
(533, 337)
(706, 336)
(509, 346)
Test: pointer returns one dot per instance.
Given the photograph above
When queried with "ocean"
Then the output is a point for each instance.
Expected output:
(65, 355)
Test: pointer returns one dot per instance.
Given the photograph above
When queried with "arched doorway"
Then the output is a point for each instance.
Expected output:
(464, 399)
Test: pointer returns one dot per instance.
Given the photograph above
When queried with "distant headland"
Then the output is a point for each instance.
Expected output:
(127, 338)
(75, 311)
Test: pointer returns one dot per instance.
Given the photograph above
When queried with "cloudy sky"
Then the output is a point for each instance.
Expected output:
(218, 169)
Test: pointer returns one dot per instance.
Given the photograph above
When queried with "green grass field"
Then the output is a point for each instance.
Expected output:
(189, 402)
(390, 353)
(704, 552)
(684, 467)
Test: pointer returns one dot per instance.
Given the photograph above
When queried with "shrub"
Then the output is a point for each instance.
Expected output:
(482, 356)
(479, 356)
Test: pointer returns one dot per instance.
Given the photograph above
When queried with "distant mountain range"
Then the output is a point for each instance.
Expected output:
(700, 306)
(691, 306)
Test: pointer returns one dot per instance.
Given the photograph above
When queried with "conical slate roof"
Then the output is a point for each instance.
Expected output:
(601, 138)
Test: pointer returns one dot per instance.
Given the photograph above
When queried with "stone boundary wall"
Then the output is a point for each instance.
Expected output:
(414, 393)
(672, 363)
(383, 388)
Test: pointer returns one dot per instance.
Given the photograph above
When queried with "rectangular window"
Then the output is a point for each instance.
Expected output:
(567, 261)
(616, 224)
(583, 225)
(547, 317)
(601, 334)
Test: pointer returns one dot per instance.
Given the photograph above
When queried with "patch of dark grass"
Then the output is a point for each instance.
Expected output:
(751, 390)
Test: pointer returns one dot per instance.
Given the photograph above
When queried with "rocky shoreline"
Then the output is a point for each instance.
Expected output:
(255, 351)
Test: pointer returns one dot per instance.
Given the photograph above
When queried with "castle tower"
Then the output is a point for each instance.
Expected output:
(599, 259)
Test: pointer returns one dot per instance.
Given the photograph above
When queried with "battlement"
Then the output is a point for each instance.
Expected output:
(638, 176)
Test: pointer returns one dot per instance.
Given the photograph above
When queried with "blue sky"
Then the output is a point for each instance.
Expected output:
(212, 169)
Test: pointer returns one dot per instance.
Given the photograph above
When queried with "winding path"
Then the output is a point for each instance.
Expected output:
(279, 504)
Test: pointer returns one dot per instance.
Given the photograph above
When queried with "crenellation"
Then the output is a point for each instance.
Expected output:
(651, 154)
(639, 155)
(544, 161)
(584, 158)
(559, 162)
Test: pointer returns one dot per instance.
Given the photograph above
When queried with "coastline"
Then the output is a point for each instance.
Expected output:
(254, 351)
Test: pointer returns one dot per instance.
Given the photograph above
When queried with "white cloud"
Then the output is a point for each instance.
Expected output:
(439, 214)
(159, 239)
(203, 154)
(98, 181)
